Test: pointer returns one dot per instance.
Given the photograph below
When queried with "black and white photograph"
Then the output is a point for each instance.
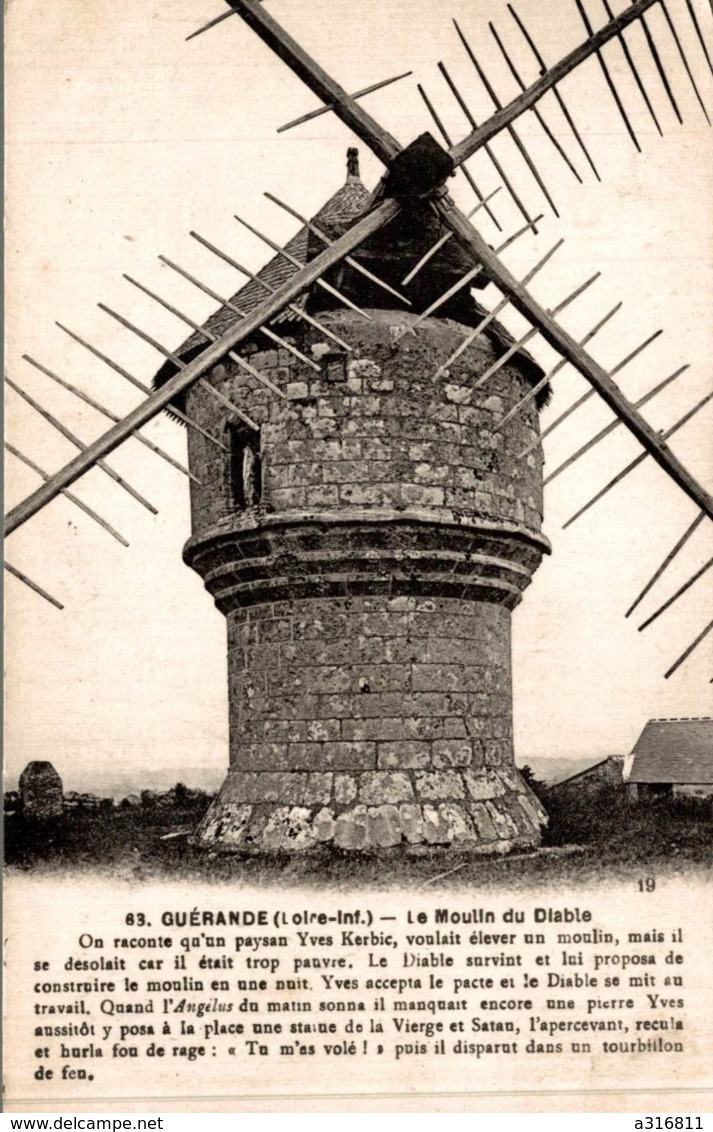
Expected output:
(358, 555)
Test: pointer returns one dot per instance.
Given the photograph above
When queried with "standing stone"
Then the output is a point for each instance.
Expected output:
(41, 794)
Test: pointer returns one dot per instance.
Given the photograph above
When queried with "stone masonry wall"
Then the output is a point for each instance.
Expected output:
(374, 430)
(383, 720)
(368, 593)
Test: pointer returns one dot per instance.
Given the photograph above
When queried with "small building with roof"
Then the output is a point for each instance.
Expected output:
(591, 779)
(672, 756)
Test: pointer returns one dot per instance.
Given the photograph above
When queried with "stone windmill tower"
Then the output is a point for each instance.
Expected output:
(366, 493)
(367, 543)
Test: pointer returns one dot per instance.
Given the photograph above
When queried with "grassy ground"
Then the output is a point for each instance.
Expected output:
(588, 841)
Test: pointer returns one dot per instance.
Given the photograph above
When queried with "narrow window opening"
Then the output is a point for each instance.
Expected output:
(245, 478)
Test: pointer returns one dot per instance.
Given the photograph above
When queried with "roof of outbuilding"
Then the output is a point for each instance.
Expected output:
(674, 750)
(597, 764)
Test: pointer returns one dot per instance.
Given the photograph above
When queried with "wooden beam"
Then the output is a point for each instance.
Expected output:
(568, 347)
(67, 494)
(675, 550)
(282, 343)
(608, 429)
(701, 636)
(633, 68)
(261, 282)
(82, 396)
(660, 68)
(139, 384)
(560, 100)
(32, 585)
(699, 33)
(548, 81)
(684, 60)
(535, 389)
(207, 334)
(298, 264)
(332, 95)
(518, 345)
(68, 435)
(472, 274)
(491, 315)
(538, 115)
(679, 593)
(180, 364)
(444, 240)
(211, 356)
(211, 24)
(589, 394)
(607, 75)
(326, 109)
(520, 145)
(639, 460)
(324, 238)
(464, 168)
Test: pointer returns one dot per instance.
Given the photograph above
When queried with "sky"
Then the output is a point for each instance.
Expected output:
(121, 138)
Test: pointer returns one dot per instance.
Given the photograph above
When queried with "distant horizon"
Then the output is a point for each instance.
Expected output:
(210, 779)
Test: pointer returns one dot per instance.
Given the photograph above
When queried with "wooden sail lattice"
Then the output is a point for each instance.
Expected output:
(420, 170)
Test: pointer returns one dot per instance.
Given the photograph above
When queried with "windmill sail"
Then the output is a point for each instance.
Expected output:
(418, 172)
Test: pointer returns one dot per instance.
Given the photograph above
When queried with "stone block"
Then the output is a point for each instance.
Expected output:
(439, 785)
(296, 389)
(324, 825)
(323, 495)
(483, 822)
(418, 495)
(379, 787)
(323, 679)
(322, 730)
(350, 756)
(432, 473)
(351, 829)
(502, 821)
(411, 818)
(383, 826)
(318, 789)
(406, 755)
(266, 756)
(460, 829)
(345, 789)
(535, 817)
(294, 788)
(288, 828)
(483, 784)
(443, 678)
(381, 677)
(347, 471)
(452, 753)
(40, 790)
(533, 809)
(288, 498)
(435, 826)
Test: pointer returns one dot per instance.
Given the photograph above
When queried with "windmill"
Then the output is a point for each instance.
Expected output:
(414, 185)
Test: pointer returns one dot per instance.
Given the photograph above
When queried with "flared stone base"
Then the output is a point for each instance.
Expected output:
(477, 810)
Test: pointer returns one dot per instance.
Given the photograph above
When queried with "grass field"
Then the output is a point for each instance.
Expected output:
(588, 841)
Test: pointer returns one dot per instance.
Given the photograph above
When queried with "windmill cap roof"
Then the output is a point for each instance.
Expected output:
(675, 750)
(342, 209)
(337, 213)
